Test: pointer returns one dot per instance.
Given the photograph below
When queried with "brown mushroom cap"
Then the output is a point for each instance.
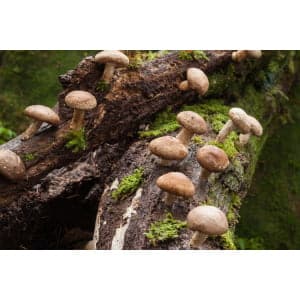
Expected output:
(81, 100)
(176, 183)
(207, 219)
(255, 126)
(168, 147)
(212, 158)
(197, 80)
(192, 122)
(254, 53)
(11, 165)
(240, 119)
(112, 56)
(42, 113)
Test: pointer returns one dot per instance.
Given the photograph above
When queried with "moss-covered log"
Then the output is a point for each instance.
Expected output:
(62, 189)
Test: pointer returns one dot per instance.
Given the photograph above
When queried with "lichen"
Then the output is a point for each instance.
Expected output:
(163, 230)
(129, 184)
(76, 140)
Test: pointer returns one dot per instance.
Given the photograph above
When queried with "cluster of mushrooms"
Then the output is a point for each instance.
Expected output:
(204, 220)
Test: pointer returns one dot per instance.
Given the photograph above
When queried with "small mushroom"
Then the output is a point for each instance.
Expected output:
(11, 166)
(191, 123)
(206, 220)
(196, 80)
(81, 101)
(241, 55)
(90, 245)
(40, 114)
(111, 59)
(239, 120)
(212, 159)
(175, 184)
(168, 148)
(255, 129)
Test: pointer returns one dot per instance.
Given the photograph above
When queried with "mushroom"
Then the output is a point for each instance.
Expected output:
(211, 159)
(241, 55)
(168, 148)
(90, 245)
(206, 220)
(239, 120)
(11, 165)
(81, 101)
(196, 80)
(40, 114)
(175, 184)
(191, 123)
(111, 59)
(255, 129)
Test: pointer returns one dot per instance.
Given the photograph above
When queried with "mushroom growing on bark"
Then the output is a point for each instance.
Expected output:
(81, 101)
(111, 59)
(168, 148)
(206, 220)
(211, 159)
(40, 114)
(196, 80)
(11, 165)
(239, 120)
(191, 123)
(255, 129)
(175, 184)
(241, 55)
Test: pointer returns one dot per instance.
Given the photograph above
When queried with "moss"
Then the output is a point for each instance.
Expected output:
(76, 140)
(29, 156)
(163, 230)
(227, 241)
(197, 139)
(6, 134)
(143, 56)
(192, 54)
(102, 86)
(129, 184)
(228, 145)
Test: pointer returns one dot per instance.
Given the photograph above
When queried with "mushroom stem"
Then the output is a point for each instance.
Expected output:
(108, 72)
(244, 138)
(227, 128)
(184, 85)
(184, 136)
(169, 199)
(197, 240)
(31, 130)
(77, 120)
(204, 175)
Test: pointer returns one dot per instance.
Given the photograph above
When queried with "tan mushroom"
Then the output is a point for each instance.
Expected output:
(206, 220)
(239, 120)
(80, 101)
(255, 129)
(212, 160)
(175, 184)
(241, 55)
(90, 245)
(196, 80)
(111, 59)
(40, 114)
(191, 123)
(168, 148)
(11, 166)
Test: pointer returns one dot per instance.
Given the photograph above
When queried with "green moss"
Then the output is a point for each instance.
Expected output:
(29, 156)
(129, 184)
(6, 134)
(227, 241)
(163, 230)
(144, 56)
(102, 86)
(192, 54)
(76, 140)
(228, 145)
(197, 139)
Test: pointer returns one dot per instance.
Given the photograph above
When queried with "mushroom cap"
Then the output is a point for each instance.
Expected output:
(197, 80)
(168, 147)
(240, 119)
(42, 113)
(11, 165)
(255, 126)
(212, 158)
(176, 183)
(113, 57)
(207, 219)
(81, 100)
(192, 122)
(254, 53)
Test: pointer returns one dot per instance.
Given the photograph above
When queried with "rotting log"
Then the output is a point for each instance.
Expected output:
(62, 189)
